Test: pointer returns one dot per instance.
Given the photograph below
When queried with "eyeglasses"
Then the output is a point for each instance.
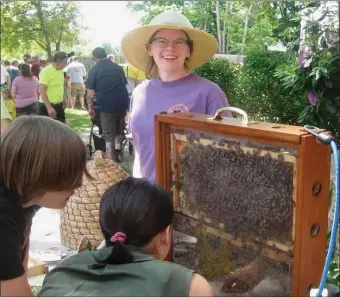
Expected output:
(164, 43)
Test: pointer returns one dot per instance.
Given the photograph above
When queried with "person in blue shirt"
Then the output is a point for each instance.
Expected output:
(107, 82)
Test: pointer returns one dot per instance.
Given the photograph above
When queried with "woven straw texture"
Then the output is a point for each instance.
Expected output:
(80, 217)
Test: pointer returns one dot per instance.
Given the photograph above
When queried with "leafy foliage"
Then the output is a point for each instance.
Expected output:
(265, 98)
(224, 73)
(318, 76)
(202, 15)
(254, 88)
(334, 274)
(108, 48)
(31, 24)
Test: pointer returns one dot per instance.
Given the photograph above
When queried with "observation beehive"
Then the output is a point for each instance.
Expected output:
(250, 200)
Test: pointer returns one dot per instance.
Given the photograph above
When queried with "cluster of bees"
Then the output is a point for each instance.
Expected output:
(250, 194)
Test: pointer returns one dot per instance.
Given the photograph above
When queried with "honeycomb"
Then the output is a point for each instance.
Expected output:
(249, 192)
(234, 198)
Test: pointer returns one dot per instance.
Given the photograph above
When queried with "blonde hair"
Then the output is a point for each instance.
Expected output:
(8, 92)
(39, 154)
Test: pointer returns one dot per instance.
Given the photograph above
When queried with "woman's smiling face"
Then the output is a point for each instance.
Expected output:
(169, 48)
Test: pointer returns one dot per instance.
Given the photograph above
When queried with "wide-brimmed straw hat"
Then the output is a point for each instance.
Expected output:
(134, 42)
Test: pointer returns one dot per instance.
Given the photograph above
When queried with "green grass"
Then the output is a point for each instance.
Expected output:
(78, 119)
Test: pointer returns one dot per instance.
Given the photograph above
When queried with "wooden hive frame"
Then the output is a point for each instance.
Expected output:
(276, 250)
(311, 182)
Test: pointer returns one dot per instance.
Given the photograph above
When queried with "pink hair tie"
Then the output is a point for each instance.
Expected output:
(119, 236)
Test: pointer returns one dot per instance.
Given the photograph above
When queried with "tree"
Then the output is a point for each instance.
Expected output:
(246, 24)
(108, 48)
(203, 14)
(114, 50)
(48, 25)
(239, 26)
(285, 18)
(231, 22)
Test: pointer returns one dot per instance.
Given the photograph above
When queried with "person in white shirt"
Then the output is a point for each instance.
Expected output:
(5, 78)
(77, 72)
(12, 70)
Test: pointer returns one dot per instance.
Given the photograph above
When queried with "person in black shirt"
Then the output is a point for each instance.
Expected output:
(107, 81)
(42, 162)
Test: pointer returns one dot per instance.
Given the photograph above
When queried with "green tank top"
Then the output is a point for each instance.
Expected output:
(80, 275)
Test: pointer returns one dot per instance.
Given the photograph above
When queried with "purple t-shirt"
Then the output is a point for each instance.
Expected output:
(25, 90)
(189, 94)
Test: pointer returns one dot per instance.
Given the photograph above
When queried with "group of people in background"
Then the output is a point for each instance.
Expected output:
(19, 85)
(37, 87)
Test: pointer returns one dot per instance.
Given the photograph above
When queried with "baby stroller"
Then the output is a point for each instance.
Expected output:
(99, 142)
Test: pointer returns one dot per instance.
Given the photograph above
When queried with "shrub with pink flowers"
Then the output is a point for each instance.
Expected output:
(316, 76)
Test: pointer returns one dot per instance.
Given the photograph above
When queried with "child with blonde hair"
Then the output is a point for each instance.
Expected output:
(5, 117)
(9, 101)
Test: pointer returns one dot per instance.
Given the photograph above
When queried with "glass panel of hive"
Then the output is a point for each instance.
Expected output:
(234, 204)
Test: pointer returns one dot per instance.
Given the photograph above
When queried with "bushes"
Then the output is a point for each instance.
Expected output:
(271, 87)
(317, 78)
(224, 73)
(253, 86)
(265, 97)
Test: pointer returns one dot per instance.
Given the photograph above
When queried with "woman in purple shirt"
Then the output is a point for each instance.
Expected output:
(25, 90)
(167, 49)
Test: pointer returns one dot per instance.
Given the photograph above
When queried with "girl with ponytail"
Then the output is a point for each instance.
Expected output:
(135, 218)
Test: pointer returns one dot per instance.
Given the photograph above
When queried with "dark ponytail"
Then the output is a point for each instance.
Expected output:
(132, 212)
(120, 254)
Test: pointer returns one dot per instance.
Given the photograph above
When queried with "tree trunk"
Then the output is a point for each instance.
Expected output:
(204, 8)
(49, 52)
(224, 33)
(218, 27)
(245, 32)
(61, 30)
(57, 45)
(38, 6)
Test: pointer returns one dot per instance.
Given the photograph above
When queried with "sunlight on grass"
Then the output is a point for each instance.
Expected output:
(78, 119)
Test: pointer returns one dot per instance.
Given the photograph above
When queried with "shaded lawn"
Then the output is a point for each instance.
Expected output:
(78, 119)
